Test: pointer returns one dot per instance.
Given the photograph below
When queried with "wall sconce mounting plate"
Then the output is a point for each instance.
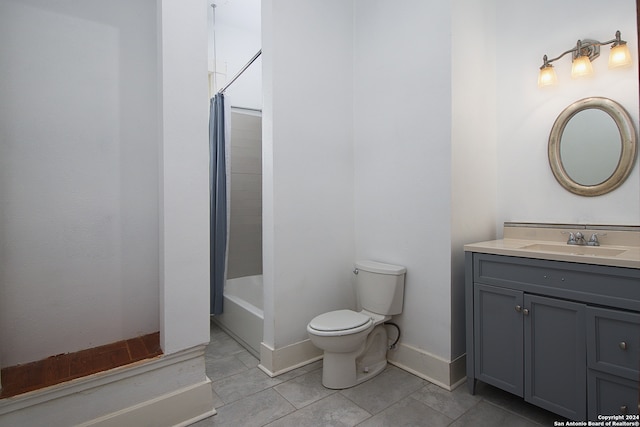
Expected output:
(588, 47)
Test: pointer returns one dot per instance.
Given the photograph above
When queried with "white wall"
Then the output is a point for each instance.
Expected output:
(237, 40)
(402, 144)
(307, 163)
(473, 144)
(526, 31)
(78, 174)
(184, 175)
(108, 120)
(449, 141)
(80, 170)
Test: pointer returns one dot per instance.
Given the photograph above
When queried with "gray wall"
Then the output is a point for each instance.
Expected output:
(245, 225)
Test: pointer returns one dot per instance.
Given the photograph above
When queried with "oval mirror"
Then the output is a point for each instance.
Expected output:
(592, 146)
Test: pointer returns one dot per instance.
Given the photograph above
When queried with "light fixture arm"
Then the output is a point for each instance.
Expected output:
(617, 41)
(587, 47)
(546, 61)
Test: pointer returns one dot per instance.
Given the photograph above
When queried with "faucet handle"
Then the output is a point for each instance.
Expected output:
(572, 237)
(593, 241)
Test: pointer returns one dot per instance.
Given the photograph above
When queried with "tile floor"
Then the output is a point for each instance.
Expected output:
(245, 396)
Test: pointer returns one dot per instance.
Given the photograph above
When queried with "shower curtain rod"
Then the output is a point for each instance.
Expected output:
(241, 71)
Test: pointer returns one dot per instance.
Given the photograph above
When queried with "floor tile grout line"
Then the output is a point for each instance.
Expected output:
(245, 396)
(466, 414)
(295, 408)
(412, 396)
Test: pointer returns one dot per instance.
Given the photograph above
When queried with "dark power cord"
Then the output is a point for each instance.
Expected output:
(392, 346)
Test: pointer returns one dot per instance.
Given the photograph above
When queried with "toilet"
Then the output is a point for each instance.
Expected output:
(355, 344)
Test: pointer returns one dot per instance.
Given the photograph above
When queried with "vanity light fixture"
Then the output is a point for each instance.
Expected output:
(583, 53)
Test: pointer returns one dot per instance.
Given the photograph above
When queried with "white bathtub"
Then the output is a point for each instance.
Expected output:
(243, 315)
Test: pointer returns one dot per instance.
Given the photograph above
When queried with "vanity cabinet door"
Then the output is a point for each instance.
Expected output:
(498, 337)
(555, 356)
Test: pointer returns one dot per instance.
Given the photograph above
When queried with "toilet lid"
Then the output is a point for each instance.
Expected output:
(339, 320)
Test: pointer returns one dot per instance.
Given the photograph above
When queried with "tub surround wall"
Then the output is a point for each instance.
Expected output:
(245, 222)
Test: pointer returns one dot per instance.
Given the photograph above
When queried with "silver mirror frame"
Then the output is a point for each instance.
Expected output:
(627, 152)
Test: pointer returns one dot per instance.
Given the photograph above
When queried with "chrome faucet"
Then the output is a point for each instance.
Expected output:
(593, 241)
(577, 238)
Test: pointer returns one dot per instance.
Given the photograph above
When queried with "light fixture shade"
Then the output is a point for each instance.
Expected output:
(619, 56)
(581, 67)
(547, 76)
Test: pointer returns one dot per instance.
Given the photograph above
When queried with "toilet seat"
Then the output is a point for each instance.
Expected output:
(339, 322)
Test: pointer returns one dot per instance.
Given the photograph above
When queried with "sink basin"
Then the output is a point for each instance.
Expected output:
(574, 249)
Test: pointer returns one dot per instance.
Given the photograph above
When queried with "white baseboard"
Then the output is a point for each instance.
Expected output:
(444, 373)
(171, 390)
(278, 361)
(172, 409)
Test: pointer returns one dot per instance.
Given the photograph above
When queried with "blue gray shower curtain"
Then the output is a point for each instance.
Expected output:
(218, 200)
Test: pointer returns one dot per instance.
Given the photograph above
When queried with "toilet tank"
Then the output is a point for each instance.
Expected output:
(380, 287)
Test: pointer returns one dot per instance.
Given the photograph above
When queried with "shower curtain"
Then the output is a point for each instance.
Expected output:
(218, 206)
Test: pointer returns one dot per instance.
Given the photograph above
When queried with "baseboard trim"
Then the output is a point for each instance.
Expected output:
(275, 362)
(173, 385)
(458, 371)
(443, 373)
(171, 409)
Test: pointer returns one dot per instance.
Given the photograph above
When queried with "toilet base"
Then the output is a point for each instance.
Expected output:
(344, 370)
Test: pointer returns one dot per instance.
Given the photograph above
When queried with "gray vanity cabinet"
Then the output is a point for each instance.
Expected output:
(531, 346)
(564, 336)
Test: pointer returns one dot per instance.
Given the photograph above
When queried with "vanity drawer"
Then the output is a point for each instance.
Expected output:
(610, 395)
(591, 284)
(616, 342)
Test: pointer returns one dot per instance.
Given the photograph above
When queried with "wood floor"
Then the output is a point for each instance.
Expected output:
(64, 367)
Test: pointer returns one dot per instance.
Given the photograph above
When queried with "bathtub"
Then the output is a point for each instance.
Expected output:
(243, 316)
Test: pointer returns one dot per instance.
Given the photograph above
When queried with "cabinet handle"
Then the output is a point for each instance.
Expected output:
(622, 345)
(525, 311)
(518, 308)
(623, 409)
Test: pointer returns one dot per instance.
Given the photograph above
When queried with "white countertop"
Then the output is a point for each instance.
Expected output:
(550, 243)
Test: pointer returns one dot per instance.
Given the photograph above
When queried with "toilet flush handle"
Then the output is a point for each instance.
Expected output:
(355, 271)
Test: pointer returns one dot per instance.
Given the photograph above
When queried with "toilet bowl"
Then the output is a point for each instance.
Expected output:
(346, 336)
(355, 344)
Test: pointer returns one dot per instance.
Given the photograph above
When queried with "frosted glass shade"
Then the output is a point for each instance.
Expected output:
(547, 76)
(619, 56)
(581, 67)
